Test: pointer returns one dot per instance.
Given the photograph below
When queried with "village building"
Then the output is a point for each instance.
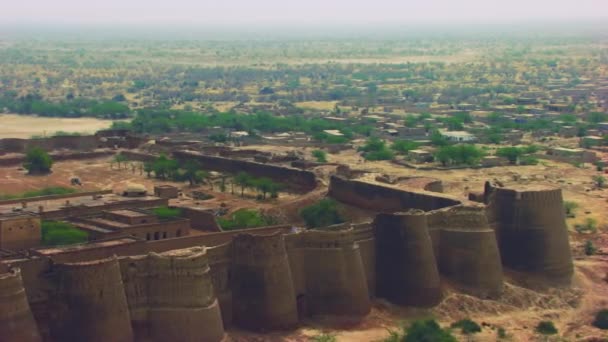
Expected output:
(420, 156)
(19, 230)
(458, 136)
(166, 191)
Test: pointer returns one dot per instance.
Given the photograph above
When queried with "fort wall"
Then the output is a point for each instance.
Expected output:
(220, 262)
(262, 287)
(328, 273)
(363, 234)
(201, 219)
(90, 303)
(54, 197)
(468, 251)
(299, 179)
(16, 319)
(383, 198)
(71, 142)
(532, 232)
(405, 262)
(171, 296)
(58, 156)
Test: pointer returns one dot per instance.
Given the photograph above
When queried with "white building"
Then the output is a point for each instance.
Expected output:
(458, 136)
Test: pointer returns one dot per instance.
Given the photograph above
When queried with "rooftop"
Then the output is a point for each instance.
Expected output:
(85, 201)
(50, 251)
(333, 132)
(129, 213)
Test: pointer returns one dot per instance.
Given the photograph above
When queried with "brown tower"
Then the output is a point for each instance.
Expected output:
(263, 296)
(329, 273)
(171, 296)
(16, 320)
(531, 228)
(90, 304)
(405, 263)
(467, 251)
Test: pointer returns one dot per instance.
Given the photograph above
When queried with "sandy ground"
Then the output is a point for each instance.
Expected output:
(25, 126)
(519, 309)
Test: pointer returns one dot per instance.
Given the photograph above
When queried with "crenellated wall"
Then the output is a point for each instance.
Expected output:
(16, 319)
(328, 273)
(405, 262)
(89, 303)
(171, 296)
(531, 227)
(263, 296)
(272, 277)
(467, 249)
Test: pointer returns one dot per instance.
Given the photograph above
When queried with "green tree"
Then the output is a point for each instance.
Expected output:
(243, 180)
(324, 338)
(546, 328)
(264, 185)
(148, 168)
(120, 159)
(404, 146)
(427, 331)
(570, 208)
(511, 153)
(438, 140)
(601, 319)
(193, 172)
(467, 326)
(244, 218)
(599, 181)
(320, 155)
(589, 248)
(459, 154)
(165, 167)
(321, 214)
(37, 161)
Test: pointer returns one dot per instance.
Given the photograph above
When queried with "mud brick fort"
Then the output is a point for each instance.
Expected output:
(143, 279)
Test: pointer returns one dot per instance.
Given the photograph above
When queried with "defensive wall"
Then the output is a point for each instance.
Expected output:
(90, 303)
(522, 229)
(102, 139)
(16, 320)
(273, 277)
(59, 156)
(385, 198)
(299, 179)
(54, 197)
(531, 228)
(70, 142)
(170, 296)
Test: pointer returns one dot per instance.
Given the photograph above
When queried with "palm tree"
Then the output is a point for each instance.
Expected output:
(243, 180)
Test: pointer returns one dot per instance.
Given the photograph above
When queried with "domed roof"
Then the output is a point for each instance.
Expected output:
(133, 187)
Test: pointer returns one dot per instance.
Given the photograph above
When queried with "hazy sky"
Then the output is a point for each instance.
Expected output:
(293, 12)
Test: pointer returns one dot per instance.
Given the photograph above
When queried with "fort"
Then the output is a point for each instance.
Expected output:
(271, 278)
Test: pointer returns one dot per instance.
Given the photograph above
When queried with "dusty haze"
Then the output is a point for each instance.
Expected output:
(281, 12)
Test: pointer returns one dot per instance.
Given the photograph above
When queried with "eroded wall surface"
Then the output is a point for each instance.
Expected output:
(263, 296)
(532, 232)
(273, 277)
(16, 319)
(90, 303)
(171, 297)
(406, 268)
